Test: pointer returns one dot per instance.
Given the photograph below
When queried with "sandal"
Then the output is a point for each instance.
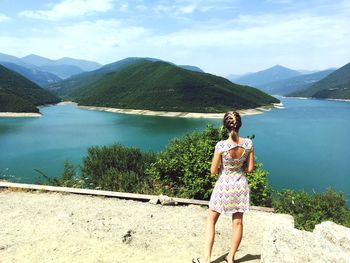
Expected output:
(196, 260)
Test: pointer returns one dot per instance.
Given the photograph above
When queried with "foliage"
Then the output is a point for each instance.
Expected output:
(261, 191)
(311, 209)
(116, 168)
(69, 177)
(183, 168)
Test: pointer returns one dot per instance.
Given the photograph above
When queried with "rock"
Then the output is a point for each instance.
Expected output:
(166, 200)
(154, 200)
(287, 244)
(336, 234)
(163, 200)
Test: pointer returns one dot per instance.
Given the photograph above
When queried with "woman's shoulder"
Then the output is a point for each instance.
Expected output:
(220, 145)
(247, 143)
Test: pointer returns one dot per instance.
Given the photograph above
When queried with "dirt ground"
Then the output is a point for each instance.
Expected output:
(56, 227)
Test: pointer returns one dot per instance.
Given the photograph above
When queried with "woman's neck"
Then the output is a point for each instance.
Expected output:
(232, 140)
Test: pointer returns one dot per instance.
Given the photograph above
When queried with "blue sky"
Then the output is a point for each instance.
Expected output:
(221, 36)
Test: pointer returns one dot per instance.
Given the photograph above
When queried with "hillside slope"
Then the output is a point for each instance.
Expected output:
(166, 87)
(335, 86)
(18, 94)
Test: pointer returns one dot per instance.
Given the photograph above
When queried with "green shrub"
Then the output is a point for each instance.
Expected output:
(184, 168)
(311, 209)
(116, 168)
(68, 178)
(260, 189)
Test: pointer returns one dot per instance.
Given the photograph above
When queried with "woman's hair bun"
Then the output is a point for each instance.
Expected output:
(232, 121)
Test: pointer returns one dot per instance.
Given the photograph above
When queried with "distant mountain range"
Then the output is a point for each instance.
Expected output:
(39, 61)
(18, 94)
(336, 85)
(62, 68)
(260, 78)
(286, 86)
(38, 68)
(39, 77)
(136, 83)
(279, 80)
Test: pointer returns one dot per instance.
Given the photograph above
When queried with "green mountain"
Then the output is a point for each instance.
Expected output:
(285, 86)
(335, 86)
(163, 86)
(82, 80)
(18, 94)
(193, 68)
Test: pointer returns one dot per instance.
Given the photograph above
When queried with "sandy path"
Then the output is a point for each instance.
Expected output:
(56, 227)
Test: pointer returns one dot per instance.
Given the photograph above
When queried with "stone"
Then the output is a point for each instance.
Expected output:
(336, 234)
(283, 243)
(154, 200)
(166, 200)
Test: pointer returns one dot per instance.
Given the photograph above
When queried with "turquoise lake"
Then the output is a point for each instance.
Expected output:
(306, 145)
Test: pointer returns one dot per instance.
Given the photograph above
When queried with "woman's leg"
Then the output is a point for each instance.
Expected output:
(210, 234)
(237, 231)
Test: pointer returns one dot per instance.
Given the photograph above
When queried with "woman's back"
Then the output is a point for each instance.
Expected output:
(233, 155)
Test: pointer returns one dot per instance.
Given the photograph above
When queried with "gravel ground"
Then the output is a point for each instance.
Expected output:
(56, 227)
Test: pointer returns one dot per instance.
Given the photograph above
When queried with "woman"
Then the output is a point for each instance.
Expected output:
(232, 159)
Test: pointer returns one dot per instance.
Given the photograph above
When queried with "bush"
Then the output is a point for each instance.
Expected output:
(116, 168)
(184, 168)
(311, 209)
(260, 189)
(69, 177)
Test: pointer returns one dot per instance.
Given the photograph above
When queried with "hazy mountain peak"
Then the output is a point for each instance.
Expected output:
(271, 74)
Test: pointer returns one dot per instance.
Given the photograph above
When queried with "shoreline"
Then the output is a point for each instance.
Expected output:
(19, 114)
(243, 112)
(312, 98)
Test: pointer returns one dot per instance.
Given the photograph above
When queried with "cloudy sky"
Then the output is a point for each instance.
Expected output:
(220, 36)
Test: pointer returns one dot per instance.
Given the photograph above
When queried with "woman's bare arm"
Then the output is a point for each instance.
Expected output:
(250, 162)
(215, 163)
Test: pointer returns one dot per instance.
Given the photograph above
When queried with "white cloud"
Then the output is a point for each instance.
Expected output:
(4, 18)
(300, 40)
(70, 8)
(124, 7)
(311, 39)
(100, 40)
(186, 7)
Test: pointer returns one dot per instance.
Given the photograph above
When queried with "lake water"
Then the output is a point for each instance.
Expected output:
(306, 145)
